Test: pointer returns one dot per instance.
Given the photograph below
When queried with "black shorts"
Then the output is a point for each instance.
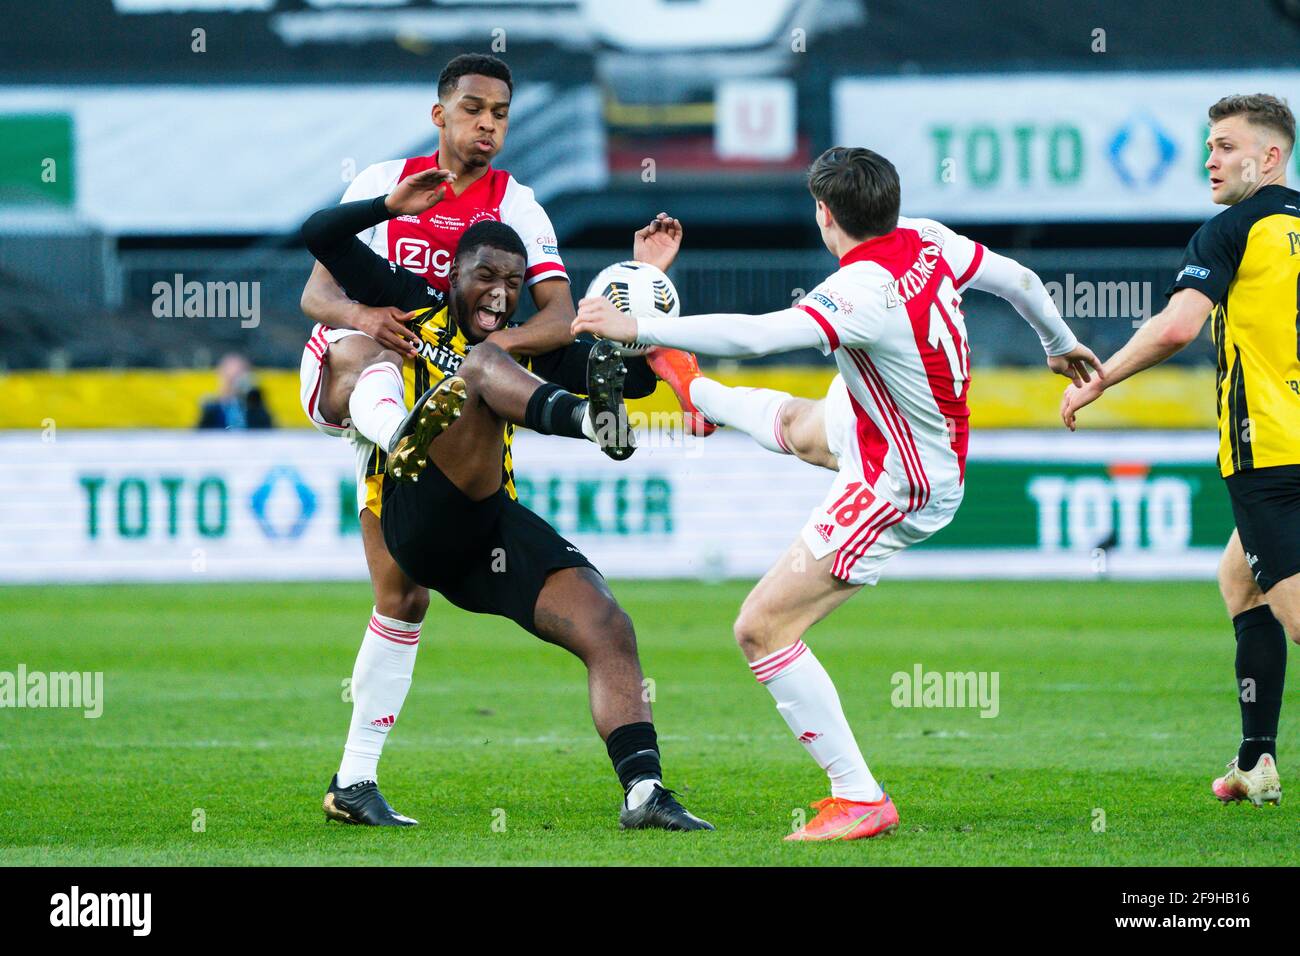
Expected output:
(491, 556)
(1266, 506)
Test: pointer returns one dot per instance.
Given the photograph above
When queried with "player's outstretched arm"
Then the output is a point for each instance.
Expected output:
(324, 300)
(1164, 335)
(330, 236)
(1021, 286)
(722, 335)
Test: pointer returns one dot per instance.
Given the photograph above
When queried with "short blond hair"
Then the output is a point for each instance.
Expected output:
(1261, 109)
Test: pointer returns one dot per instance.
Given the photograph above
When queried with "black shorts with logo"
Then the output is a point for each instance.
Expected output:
(491, 556)
(1266, 506)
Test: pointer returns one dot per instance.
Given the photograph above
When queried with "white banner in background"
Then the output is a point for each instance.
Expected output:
(1042, 146)
(266, 156)
(192, 506)
(168, 506)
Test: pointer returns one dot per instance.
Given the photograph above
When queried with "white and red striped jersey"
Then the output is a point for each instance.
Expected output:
(892, 317)
(425, 244)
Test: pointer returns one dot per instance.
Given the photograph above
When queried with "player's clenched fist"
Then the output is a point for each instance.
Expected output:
(598, 316)
(420, 191)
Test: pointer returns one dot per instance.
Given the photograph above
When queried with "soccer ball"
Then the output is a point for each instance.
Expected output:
(638, 289)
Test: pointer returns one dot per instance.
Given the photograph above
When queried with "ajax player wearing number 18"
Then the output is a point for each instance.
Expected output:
(894, 425)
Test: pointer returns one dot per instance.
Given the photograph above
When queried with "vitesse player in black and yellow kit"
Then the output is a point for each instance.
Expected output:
(1243, 268)
(445, 488)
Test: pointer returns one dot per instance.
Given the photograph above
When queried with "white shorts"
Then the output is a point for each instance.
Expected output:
(856, 520)
(310, 376)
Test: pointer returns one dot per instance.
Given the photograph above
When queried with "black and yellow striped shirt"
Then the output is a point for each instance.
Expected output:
(443, 346)
(1246, 260)
(370, 279)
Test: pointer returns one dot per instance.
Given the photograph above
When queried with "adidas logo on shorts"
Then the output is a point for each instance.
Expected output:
(825, 531)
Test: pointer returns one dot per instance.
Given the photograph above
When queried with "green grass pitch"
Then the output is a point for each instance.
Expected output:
(1116, 707)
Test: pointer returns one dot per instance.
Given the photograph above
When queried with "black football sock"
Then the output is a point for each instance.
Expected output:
(1261, 674)
(634, 751)
(553, 411)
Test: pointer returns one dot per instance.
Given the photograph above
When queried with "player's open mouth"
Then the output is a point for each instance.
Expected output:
(486, 145)
(487, 319)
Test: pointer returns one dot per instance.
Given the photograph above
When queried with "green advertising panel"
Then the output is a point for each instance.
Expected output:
(1079, 506)
(36, 159)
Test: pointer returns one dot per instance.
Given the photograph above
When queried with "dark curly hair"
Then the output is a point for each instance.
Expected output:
(473, 64)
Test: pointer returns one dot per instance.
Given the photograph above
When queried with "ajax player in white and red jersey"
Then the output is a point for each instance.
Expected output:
(893, 425)
(425, 244)
(350, 361)
(353, 365)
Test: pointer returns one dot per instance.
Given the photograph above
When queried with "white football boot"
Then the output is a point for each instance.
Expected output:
(1260, 786)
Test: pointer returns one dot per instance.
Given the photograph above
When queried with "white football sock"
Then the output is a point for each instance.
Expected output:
(641, 791)
(755, 411)
(378, 404)
(806, 698)
(380, 679)
(588, 426)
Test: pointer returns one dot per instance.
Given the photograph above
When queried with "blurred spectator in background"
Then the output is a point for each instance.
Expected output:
(239, 404)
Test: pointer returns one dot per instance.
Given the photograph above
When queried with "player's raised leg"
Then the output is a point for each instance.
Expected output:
(381, 678)
(777, 420)
(1261, 674)
(795, 594)
(497, 389)
(576, 611)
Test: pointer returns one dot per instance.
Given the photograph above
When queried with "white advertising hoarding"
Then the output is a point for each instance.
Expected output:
(139, 506)
(1048, 146)
(178, 159)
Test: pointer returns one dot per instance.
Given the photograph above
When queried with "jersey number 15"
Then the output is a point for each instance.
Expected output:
(945, 315)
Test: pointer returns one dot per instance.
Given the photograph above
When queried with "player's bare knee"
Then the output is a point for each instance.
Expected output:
(481, 361)
(615, 627)
(344, 365)
(1289, 618)
(752, 630)
(1239, 593)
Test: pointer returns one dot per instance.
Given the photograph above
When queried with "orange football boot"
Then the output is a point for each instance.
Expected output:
(679, 369)
(839, 819)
